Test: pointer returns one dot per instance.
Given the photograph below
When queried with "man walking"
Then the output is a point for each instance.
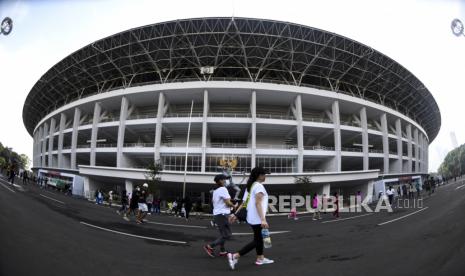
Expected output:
(390, 194)
(143, 209)
(12, 176)
(133, 203)
(221, 211)
(124, 202)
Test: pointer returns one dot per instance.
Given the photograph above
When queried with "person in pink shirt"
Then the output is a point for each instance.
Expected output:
(315, 207)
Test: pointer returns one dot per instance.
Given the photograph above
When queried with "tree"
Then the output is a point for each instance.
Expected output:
(153, 177)
(454, 163)
(12, 159)
(3, 163)
(24, 161)
(304, 183)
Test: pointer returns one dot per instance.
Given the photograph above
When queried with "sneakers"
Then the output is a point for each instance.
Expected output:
(209, 250)
(232, 261)
(264, 261)
(125, 218)
(223, 253)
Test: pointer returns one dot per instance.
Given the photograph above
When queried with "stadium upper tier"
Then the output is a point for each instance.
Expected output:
(241, 49)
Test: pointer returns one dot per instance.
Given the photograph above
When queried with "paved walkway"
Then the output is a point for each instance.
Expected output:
(48, 233)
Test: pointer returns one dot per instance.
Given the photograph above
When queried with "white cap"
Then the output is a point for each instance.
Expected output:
(145, 185)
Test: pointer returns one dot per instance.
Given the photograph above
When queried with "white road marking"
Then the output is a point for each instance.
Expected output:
(460, 187)
(52, 199)
(271, 233)
(6, 187)
(336, 220)
(132, 235)
(177, 225)
(19, 187)
(389, 221)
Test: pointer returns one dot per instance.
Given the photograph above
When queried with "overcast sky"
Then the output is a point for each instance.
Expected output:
(414, 33)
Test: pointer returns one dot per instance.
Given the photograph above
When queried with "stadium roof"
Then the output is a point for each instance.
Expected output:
(246, 49)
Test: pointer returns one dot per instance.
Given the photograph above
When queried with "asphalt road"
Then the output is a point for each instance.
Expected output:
(48, 233)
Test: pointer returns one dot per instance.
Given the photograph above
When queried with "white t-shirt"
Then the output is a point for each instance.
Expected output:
(252, 212)
(389, 192)
(219, 206)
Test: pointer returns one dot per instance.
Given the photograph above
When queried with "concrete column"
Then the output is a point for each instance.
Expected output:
(422, 146)
(399, 145)
(129, 186)
(367, 192)
(420, 151)
(60, 139)
(364, 124)
(44, 145)
(300, 133)
(34, 148)
(74, 137)
(337, 136)
(415, 137)
(86, 187)
(94, 135)
(50, 142)
(384, 128)
(40, 136)
(158, 128)
(206, 107)
(121, 130)
(89, 187)
(253, 110)
(423, 143)
(426, 155)
(409, 148)
(325, 189)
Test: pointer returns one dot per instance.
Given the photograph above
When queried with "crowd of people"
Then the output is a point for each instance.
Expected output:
(226, 210)
(411, 190)
(141, 203)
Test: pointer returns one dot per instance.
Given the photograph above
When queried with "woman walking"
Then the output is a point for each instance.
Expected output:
(256, 200)
(315, 207)
(221, 211)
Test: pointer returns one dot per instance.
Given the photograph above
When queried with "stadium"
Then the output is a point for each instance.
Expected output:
(230, 93)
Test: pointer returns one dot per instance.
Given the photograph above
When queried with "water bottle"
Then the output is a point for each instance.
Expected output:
(266, 238)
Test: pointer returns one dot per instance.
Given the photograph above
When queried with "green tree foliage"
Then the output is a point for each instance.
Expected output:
(304, 183)
(10, 158)
(454, 163)
(3, 162)
(24, 161)
(153, 177)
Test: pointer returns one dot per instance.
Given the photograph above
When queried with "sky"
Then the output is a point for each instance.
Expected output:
(416, 34)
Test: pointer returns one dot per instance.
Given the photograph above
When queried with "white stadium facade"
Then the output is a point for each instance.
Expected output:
(291, 98)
